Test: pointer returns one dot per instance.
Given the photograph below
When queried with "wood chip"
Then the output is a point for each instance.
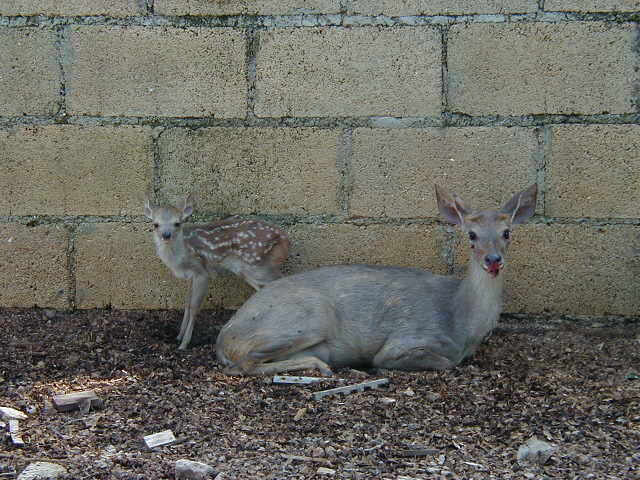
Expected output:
(299, 380)
(14, 433)
(302, 458)
(416, 452)
(9, 413)
(325, 471)
(159, 439)
(84, 401)
(360, 387)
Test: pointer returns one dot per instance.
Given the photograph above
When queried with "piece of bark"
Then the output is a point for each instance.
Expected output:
(299, 380)
(78, 400)
(325, 471)
(302, 458)
(360, 387)
(158, 439)
(9, 413)
(416, 452)
(14, 433)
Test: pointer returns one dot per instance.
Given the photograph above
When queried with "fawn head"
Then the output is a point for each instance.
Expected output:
(167, 221)
(488, 231)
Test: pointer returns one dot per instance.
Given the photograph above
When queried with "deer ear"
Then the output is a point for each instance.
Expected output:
(187, 206)
(522, 205)
(148, 208)
(452, 208)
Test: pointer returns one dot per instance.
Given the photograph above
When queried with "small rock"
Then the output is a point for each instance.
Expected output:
(330, 451)
(387, 400)
(535, 451)
(50, 314)
(42, 471)
(317, 452)
(409, 392)
(189, 470)
(325, 471)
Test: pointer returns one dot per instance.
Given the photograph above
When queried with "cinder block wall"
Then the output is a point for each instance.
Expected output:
(333, 118)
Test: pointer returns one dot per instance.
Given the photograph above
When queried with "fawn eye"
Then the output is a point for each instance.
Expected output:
(472, 236)
(506, 234)
(177, 224)
(155, 225)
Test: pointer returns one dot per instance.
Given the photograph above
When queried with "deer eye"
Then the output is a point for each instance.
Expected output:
(155, 225)
(506, 234)
(177, 224)
(473, 236)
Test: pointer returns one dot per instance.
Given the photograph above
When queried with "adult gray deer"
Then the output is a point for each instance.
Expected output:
(387, 317)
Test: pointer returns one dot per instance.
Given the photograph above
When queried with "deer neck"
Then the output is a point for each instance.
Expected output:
(477, 305)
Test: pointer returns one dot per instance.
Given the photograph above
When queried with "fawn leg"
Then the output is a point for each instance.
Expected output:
(185, 317)
(198, 290)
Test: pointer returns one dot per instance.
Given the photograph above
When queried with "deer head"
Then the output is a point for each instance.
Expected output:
(488, 231)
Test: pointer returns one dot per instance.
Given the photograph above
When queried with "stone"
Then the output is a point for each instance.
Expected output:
(157, 71)
(337, 77)
(542, 68)
(394, 170)
(535, 451)
(593, 171)
(29, 73)
(190, 470)
(37, 258)
(253, 170)
(439, 7)
(75, 170)
(42, 471)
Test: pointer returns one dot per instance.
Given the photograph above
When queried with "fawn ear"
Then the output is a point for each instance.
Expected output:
(187, 206)
(452, 208)
(148, 208)
(522, 205)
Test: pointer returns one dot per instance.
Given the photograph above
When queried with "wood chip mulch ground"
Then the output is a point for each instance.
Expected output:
(572, 384)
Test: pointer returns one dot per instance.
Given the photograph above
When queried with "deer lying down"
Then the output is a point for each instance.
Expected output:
(251, 249)
(387, 317)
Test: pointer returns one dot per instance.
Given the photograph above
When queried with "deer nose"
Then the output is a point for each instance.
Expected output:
(166, 235)
(493, 258)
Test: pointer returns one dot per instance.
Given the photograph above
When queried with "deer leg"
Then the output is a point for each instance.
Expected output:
(185, 317)
(198, 290)
(413, 357)
(298, 363)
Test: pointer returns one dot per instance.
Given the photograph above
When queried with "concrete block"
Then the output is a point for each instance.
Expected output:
(571, 269)
(253, 170)
(72, 170)
(158, 71)
(594, 171)
(30, 77)
(34, 265)
(438, 7)
(537, 68)
(112, 8)
(592, 5)
(313, 246)
(116, 264)
(349, 72)
(245, 7)
(394, 170)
